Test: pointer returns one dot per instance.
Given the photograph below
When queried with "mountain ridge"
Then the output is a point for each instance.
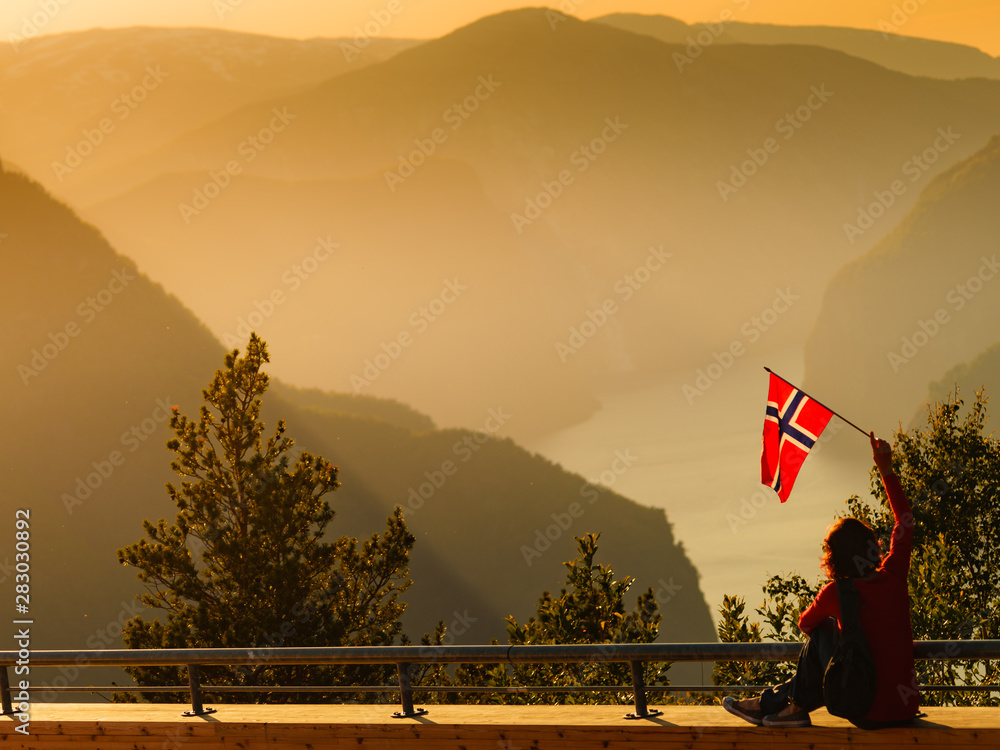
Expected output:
(936, 306)
(540, 134)
(78, 452)
(102, 76)
(911, 55)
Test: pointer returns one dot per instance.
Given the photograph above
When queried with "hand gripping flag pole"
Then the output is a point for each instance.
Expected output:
(793, 422)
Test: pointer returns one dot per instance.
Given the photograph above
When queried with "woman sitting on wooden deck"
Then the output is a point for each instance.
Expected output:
(851, 551)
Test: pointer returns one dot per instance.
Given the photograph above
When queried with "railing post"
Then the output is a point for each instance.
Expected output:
(406, 694)
(639, 690)
(8, 707)
(197, 709)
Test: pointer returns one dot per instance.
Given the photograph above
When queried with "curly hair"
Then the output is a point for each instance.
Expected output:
(850, 550)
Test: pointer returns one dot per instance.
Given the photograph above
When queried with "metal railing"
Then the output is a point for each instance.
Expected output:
(635, 654)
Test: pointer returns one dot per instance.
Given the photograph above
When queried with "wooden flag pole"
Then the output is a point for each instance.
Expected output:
(845, 419)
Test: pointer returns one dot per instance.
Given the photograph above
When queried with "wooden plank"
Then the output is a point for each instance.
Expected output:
(316, 727)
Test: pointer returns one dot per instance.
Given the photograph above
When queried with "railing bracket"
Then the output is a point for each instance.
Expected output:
(194, 681)
(8, 706)
(406, 694)
(203, 712)
(404, 715)
(647, 715)
(639, 690)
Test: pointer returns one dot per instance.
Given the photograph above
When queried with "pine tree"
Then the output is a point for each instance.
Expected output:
(590, 609)
(247, 563)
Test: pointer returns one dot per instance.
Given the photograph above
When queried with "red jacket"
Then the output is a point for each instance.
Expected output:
(885, 617)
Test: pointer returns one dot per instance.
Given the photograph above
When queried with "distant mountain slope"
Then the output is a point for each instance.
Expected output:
(918, 57)
(980, 372)
(478, 312)
(95, 356)
(550, 92)
(925, 299)
(386, 410)
(148, 86)
(590, 147)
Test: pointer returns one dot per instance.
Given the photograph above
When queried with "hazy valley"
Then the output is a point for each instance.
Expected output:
(459, 246)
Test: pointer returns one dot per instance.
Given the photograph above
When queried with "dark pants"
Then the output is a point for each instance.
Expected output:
(806, 687)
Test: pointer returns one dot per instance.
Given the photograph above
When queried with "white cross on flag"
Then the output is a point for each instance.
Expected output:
(792, 425)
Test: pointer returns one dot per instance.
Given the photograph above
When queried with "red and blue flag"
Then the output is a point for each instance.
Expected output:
(792, 425)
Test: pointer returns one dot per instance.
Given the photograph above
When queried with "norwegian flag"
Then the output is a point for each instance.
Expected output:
(792, 425)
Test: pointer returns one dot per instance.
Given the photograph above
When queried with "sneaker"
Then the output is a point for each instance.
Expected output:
(796, 719)
(753, 715)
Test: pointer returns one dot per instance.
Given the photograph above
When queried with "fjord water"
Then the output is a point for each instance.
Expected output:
(699, 460)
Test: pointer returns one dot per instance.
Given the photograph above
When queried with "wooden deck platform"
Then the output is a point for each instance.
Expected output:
(311, 727)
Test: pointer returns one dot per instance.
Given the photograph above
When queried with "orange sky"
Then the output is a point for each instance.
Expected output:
(973, 22)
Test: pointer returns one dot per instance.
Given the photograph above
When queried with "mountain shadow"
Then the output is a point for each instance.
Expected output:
(95, 357)
(924, 300)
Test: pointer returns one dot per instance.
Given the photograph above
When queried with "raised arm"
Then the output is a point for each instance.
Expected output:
(898, 559)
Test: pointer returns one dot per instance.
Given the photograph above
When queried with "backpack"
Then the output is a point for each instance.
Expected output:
(849, 680)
